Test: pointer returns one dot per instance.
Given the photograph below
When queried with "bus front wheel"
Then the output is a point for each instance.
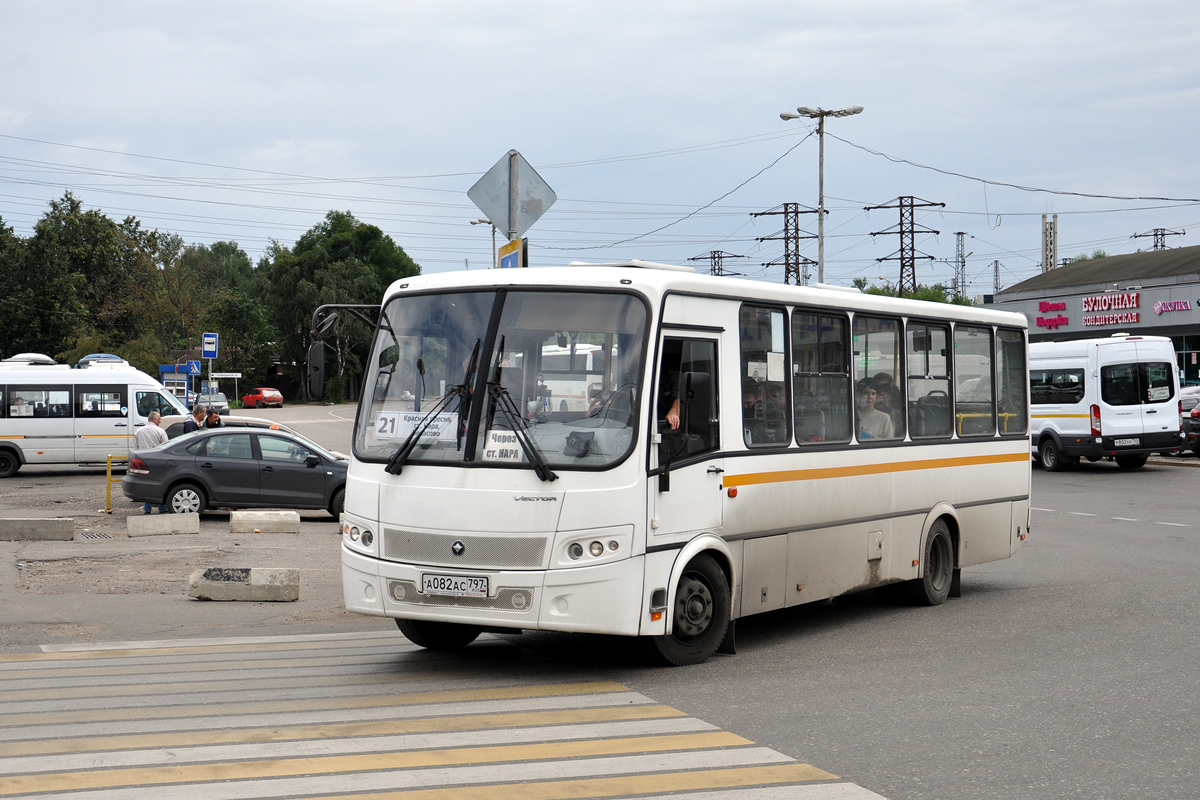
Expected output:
(437, 635)
(701, 614)
(933, 587)
(9, 463)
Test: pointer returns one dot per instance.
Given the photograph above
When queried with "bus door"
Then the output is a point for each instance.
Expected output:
(102, 422)
(686, 460)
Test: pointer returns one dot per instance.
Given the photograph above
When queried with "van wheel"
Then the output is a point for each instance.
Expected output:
(437, 635)
(934, 586)
(1131, 462)
(9, 463)
(701, 615)
(186, 498)
(1049, 456)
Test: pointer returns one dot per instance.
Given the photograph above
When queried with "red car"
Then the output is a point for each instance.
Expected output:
(259, 398)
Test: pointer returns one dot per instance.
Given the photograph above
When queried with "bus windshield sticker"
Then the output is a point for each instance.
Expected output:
(399, 424)
(503, 446)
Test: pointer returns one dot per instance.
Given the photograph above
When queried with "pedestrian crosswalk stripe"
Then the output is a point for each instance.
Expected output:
(371, 701)
(362, 717)
(424, 725)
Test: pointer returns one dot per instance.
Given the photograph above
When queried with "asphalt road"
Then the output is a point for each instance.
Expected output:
(1065, 671)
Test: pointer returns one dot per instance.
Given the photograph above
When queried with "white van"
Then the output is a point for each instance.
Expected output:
(1115, 398)
(57, 415)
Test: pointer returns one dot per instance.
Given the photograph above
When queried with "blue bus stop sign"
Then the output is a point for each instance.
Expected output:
(209, 348)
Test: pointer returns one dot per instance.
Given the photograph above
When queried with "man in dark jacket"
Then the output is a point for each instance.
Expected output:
(196, 422)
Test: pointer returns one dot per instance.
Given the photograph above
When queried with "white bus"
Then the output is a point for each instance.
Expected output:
(1115, 398)
(52, 414)
(755, 447)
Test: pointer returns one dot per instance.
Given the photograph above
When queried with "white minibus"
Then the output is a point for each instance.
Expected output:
(54, 414)
(1115, 398)
(751, 447)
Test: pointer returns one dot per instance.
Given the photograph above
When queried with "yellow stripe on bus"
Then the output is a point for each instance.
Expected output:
(869, 469)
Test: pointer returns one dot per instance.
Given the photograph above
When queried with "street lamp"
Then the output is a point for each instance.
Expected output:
(819, 114)
(482, 221)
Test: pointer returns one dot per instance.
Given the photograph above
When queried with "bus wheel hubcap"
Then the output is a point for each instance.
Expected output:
(693, 608)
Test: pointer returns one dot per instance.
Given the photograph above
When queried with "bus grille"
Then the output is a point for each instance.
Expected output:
(505, 599)
(478, 552)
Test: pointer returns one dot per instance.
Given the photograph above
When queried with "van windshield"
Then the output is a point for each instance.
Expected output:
(561, 373)
(1137, 384)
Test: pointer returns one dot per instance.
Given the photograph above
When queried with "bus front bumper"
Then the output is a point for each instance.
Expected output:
(605, 598)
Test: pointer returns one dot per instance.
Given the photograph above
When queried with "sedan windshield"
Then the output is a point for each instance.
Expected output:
(495, 378)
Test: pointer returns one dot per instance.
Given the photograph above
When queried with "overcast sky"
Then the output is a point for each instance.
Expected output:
(248, 121)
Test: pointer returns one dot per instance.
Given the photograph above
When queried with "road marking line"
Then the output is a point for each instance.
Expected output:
(363, 762)
(337, 730)
(1034, 508)
(1080, 514)
(87, 758)
(1124, 519)
(1174, 524)
(276, 706)
(227, 640)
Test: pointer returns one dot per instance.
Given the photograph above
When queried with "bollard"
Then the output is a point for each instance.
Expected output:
(110, 482)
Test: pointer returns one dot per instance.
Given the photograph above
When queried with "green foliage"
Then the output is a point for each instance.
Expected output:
(82, 283)
(933, 294)
(1096, 254)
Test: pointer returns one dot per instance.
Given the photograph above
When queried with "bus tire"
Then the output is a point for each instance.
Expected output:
(933, 587)
(1049, 456)
(186, 498)
(1131, 462)
(338, 504)
(701, 614)
(437, 635)
(10, 462)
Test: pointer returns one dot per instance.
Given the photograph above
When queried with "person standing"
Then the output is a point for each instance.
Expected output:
(151, 435)
(196, 421)
(214, 420)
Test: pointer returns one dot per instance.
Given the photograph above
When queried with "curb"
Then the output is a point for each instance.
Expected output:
(53, 529)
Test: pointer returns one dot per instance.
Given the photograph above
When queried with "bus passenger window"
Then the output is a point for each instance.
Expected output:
(820, 378)
(766, 408)
(973, 413)
(929, 411)
(1013, 415)
(877, 358)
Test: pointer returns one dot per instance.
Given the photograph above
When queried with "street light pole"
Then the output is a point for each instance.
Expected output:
(482, 221)
(819, 114)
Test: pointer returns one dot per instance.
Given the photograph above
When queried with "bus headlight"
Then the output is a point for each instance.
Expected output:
(367, 538)
(575, 551)
(596, 549)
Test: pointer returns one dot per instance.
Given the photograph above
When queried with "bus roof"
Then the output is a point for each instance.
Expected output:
(657, 280)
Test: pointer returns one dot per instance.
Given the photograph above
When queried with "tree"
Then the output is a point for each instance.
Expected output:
(933, 294)
(339, 260)
(1096, 254)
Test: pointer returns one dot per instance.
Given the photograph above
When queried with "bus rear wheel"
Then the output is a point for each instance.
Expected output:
(701, 615)
(9, 463)
(933, 587)
(437, 635)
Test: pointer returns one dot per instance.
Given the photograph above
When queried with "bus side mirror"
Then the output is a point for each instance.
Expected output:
(316, 370)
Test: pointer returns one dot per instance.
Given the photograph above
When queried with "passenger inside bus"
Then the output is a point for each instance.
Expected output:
(872, 423)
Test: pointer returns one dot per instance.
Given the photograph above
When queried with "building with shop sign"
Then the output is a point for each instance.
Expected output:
(1153, 293)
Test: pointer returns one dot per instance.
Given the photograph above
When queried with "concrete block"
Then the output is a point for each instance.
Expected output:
(161, 524)
(28, 529)
(247, 584)
(264, 521)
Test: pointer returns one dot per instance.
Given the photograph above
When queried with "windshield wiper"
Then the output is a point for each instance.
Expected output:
(395, 464)
(508, 407)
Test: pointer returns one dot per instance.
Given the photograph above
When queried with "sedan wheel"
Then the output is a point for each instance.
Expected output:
(186, 499)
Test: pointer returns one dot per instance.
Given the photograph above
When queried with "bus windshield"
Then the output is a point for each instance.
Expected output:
(560, 375)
